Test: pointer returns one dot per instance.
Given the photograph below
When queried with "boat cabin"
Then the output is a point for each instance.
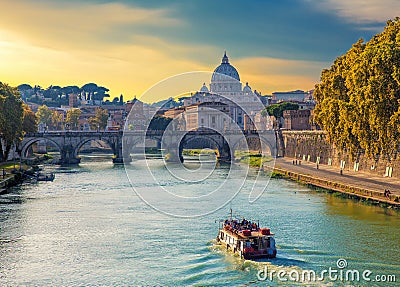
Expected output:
(247, 239)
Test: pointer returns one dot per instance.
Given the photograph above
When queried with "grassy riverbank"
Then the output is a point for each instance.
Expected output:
(13, 173)
(197, 152)
(252, 158)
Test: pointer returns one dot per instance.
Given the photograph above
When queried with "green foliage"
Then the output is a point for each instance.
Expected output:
(159, 123)
(24, 87)
(197, 152)
(55, 96)
(11, 118)
(44, 115)
(57, 120)
(99, 121)
(358, 97)
(277, 174)
(29, 124)
(73, 118)
(252, 158)
(276, 110)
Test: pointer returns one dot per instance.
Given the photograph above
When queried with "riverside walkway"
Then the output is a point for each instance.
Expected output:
(359, 184)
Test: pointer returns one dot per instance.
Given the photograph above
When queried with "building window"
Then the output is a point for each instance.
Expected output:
(213, 120)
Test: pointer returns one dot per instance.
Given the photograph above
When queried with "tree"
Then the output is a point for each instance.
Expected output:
(44, 115)
(99, 121)
(115, 101)
(276, 110)
(73, 118)
(24, 87)
(11, 118)
(358, 96)
(96, 92)
(56, 120)
(29, 124)
(159, 123)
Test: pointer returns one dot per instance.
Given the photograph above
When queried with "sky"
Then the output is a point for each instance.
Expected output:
(128, 46)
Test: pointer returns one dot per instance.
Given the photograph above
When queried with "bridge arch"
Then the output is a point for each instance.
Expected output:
(190, 138)
(129, 142)
(86, 140)
(221, 144)
(270, 142)
(30, 141)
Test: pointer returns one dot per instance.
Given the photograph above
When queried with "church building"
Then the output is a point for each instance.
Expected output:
(226, 88)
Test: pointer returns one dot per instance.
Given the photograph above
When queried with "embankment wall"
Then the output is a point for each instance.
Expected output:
(311, 145)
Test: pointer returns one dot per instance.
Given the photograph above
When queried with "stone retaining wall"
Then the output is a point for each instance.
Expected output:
(312, 145)
(341, 187)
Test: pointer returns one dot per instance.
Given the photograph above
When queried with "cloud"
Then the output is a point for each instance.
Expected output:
(73, 44)
(360, 11)
(78, 25)
(270, 74)
(129, 48)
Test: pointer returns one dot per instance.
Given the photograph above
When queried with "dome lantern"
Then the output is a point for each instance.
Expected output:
(225, 72)
(225, 59)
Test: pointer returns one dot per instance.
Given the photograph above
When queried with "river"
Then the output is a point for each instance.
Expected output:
(89, 228)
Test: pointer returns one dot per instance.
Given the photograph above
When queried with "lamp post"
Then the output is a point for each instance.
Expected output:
(14, 157)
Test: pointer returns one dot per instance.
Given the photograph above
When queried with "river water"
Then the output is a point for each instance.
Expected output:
(89, 228)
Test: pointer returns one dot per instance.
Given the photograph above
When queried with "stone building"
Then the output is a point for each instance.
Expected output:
(297, 120)
(137, 118)
(213, 115)
(292, 96)
(174, 112)
(225, 91)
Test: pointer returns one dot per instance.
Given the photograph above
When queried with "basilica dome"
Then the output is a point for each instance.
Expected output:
(225, 71)
(204, 88)
(247, 89)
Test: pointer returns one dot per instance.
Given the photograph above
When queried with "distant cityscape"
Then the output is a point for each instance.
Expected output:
(218, 105)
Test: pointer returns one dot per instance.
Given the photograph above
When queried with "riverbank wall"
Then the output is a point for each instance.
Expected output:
(10, 181)
(336, 186)
(312, 146)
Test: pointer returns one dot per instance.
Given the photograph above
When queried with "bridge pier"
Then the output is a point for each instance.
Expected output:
(120, 156)
(224, 154)
(68, 155)
(122, 159)
(173, 156)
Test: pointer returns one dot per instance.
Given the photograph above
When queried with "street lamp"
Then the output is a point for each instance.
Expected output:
(14, 157)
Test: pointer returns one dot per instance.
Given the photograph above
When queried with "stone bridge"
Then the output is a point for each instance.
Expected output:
(122, 142)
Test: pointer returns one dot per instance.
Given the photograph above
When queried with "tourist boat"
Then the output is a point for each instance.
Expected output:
(45, 176)
(246, 239)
